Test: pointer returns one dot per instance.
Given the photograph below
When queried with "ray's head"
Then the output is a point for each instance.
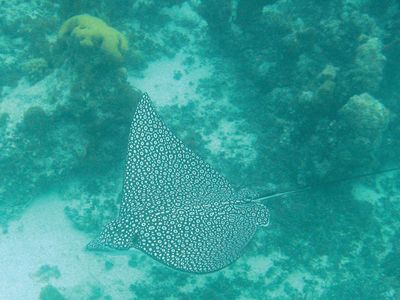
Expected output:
(116, 235)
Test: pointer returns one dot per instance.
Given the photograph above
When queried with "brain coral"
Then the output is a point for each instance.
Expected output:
(365, 115)
(94, 33)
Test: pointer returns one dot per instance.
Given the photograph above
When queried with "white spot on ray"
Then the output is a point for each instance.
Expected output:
(175, 207)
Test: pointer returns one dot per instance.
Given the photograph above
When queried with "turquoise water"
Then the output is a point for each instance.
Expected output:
(274, 95)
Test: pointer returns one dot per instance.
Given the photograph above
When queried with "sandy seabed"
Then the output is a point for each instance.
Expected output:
(44, 236)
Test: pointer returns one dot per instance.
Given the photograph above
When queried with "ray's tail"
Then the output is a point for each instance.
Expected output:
(322, 184)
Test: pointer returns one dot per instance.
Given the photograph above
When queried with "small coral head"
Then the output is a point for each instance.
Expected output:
(92, 32)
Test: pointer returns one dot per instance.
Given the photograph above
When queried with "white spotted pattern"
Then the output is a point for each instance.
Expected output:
(175, 207)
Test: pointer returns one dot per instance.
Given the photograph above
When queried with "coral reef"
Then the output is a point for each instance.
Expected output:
(92, 203)
(369, 65)
(50, 292)
(365, 116)
(46, 273)
(36, 68)
(284, 94)
(91, 32)
(360, 126)
(57, 123)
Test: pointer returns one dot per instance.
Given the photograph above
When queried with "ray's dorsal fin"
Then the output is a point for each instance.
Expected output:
(175, 207)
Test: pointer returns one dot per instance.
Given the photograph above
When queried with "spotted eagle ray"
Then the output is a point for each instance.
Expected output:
(175, 207)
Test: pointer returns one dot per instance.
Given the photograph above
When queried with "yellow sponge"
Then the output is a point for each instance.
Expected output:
(93, 32)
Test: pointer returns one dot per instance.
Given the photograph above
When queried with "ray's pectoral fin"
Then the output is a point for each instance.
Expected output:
(116, 235)
(257, 212)
(261, 214)
(187, 215)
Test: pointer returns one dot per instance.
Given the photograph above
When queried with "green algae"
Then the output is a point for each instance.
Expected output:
(47, 272)
(50, 292)
(108, 265)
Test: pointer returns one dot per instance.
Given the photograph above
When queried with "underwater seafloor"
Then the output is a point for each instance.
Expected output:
(275, 94)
